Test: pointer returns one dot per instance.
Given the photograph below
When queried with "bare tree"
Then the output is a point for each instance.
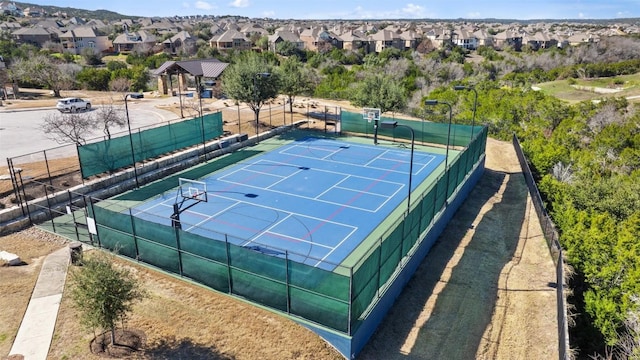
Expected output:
(121, 85)
(108, 116)
(68, 128)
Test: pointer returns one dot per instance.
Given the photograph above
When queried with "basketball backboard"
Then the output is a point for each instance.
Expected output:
(370, 114)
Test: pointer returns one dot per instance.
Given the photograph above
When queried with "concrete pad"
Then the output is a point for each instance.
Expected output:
(34, 336)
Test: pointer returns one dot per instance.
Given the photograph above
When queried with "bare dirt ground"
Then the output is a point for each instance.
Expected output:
(485, 291)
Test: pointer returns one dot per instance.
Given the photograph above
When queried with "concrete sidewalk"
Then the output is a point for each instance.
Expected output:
(36, 330)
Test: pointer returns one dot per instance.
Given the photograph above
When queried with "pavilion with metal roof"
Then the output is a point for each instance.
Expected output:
(200, 68)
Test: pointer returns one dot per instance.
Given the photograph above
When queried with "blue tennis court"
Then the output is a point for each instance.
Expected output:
(315, 199)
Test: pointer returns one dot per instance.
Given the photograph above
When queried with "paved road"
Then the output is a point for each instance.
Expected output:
(21, 134)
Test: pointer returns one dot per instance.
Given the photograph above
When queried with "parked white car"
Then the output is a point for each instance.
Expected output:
(73, 104)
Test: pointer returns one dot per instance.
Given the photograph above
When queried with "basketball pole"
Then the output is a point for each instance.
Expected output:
(375, 132)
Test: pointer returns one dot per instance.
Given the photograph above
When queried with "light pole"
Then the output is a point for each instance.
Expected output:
(126, 110)
(475, 102)
(255, 99)
(430, 102)
(388, 124)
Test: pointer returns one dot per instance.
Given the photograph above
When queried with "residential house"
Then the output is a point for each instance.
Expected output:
(484, 38)
(9, 26)
(161, 27)
(465, 39)
(385, 39)
(230, 39)
(34, 35)
(508, 38)
(253, 29)
(540, 40)
(411, 39)
(127, 42)
(354, 40)
(180, 42)
(10, 8)
(34, 12)
(282, 36)
(581, 38)
(78, 39)
(439, 36)
(320, 39)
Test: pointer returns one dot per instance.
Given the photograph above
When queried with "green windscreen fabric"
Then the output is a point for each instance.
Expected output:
(424, 131)
(112, 154)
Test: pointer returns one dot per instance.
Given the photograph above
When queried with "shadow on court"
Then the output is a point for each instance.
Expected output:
(446, 307)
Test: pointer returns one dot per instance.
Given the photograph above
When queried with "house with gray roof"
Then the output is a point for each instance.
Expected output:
(508, 38)
(354, 40)
(180, 42)
(76, 40)
(34, 35)
(384, 39)
(319, 38)
(282, 36)
(127, 42)
(230, 39)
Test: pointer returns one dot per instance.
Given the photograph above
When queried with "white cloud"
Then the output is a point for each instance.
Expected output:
(413, 10)
(474, 15)
(203, 5)
(409, 11)
(186, 5)
(581, 15)
(269, 14)
(623, 14)
(240, 3)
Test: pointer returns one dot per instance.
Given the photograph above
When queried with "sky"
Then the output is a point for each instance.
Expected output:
(368, 9)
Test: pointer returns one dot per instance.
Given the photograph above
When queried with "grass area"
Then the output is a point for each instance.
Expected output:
(576, 90)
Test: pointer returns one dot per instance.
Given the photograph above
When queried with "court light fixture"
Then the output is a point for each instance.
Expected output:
(431, 102)
(126, 110)
(389, 124)
(475, 103)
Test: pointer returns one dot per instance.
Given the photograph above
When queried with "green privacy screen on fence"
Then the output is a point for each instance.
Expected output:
(425, 131)
(112, 154)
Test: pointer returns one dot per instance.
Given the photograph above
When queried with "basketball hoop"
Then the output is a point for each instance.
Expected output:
(192, 191)
(371, 115)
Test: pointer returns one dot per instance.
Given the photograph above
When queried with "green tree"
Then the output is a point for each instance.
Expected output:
(44, 71)
(103, 292)
(379, 91)
(251, 79)
(94, 79)
(294, 79)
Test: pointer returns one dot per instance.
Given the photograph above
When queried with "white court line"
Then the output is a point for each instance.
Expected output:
(264, 231)
(146, 210)
(209, 217)
(331, 187)
(301, 240)
(309, 147)
(302, 197)
(337, 247)
(284, 178)
(290, 214)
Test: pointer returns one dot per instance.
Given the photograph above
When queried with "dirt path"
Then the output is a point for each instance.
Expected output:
(484, 291)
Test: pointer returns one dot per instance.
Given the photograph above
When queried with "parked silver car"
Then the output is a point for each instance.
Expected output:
(73, 104)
